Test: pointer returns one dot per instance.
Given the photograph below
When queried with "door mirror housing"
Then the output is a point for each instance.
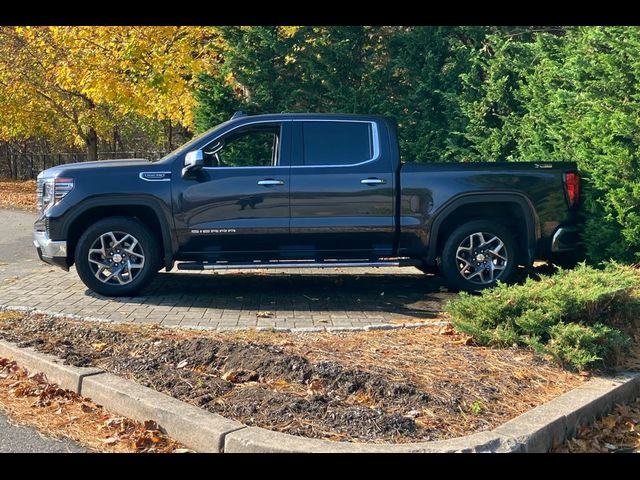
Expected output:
(193, 161)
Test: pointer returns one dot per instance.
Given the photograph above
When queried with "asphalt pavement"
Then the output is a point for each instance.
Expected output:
(18, 257)
(17, 254)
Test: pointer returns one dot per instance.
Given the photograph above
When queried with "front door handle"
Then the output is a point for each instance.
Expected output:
(270, 181)
(372, 181)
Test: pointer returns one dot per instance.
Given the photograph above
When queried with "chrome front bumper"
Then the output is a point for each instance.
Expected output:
(565, 239)
(50, 251)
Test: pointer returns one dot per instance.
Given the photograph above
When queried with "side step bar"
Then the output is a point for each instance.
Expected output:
(305, 264)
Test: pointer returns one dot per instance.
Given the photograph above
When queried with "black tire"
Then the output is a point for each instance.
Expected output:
(452, 268)
(138, 277)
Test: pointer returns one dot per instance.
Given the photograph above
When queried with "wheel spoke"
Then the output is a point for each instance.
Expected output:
(98, 262)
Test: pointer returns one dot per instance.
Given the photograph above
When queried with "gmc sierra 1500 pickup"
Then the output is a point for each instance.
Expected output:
(302, 190)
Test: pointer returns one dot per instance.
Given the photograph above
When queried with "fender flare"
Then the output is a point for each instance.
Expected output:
(532, 222)
(160, 209)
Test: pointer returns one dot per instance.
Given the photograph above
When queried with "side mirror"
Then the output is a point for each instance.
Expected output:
(193, 160)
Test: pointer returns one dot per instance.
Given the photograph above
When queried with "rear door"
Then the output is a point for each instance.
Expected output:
(342, 190)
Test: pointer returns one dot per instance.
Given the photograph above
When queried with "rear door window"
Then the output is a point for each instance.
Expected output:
(337, 143)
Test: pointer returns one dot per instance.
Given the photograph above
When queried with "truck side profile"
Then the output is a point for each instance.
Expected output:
(302, 190)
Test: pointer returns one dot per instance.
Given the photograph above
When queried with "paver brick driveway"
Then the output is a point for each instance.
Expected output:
(289, 299)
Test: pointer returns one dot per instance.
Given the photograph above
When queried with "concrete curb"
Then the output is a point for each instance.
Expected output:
(552, 423)
(260, 440)
(329, 328)
(193, 426)
(66, 376)
(534, 431)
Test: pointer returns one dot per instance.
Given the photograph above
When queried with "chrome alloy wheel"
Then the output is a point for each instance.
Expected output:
(116, 258)
(481, 258)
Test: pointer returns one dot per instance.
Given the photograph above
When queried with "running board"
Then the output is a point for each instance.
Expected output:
(283, 264)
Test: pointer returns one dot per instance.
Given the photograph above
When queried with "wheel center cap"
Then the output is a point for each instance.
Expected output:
(117, 258)
(480, 257)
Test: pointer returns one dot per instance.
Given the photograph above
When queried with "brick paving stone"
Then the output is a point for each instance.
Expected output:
(306, 298)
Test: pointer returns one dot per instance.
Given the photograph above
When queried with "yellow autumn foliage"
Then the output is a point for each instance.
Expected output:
(62, 81)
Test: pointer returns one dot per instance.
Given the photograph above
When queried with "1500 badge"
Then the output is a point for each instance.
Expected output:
(155, 176)
(213, 230)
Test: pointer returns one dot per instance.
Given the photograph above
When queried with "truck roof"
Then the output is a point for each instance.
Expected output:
(310, 116)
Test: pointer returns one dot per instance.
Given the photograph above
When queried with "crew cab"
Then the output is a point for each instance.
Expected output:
(302, 190)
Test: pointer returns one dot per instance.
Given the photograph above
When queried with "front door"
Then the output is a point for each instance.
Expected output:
(239, 202)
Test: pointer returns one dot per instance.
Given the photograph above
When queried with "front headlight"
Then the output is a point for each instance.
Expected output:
(52, 191)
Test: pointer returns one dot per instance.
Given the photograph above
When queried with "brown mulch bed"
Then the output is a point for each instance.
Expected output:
(385, 386)
(18, 194)
(29, 399)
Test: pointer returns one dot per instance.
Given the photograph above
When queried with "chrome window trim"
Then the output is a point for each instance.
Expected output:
(374, 134)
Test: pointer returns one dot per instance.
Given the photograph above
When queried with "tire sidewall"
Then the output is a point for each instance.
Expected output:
(123, 224)
(448, 261)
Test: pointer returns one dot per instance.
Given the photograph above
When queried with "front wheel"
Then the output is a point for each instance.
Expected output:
(478, 254)
(117, 257)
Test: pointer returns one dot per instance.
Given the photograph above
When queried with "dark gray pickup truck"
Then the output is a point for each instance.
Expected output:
(302, 190)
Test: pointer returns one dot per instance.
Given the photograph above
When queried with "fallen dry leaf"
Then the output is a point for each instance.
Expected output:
(182, 364)
(231, 376)
(314, 386)
(99, 347)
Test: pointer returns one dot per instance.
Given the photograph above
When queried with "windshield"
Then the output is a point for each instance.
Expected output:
(184, 148)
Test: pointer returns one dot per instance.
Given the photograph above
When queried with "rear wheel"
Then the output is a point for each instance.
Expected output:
(478, 254)
(117, 257)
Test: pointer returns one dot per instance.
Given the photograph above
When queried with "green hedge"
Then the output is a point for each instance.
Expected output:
(574, 316)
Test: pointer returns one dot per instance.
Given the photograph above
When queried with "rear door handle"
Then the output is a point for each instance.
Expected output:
(372, 181)
(270, 181)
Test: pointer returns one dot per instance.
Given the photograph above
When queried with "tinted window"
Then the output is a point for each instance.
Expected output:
(337, 143)
(255, 146)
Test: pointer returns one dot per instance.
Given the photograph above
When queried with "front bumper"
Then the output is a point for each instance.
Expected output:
(50, 251)
(565, 239)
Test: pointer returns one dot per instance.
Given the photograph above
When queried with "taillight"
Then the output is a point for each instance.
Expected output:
(572, 185)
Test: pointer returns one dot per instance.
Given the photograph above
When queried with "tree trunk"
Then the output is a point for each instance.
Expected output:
(92, 145)
(7, 154)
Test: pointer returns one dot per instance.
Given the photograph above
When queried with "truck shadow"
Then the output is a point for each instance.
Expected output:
(417, 295)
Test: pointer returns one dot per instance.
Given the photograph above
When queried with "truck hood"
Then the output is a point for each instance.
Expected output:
(71, 167)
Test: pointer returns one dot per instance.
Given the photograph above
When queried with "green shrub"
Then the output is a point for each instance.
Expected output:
(577, 345)
(573, 316)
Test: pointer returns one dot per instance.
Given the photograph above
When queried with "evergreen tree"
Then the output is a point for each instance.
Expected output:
(567, 97)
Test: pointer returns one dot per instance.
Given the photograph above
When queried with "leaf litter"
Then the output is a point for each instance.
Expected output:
(30, 399)
(18, 194)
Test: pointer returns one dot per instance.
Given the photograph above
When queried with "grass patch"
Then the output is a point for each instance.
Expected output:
(576, 317)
